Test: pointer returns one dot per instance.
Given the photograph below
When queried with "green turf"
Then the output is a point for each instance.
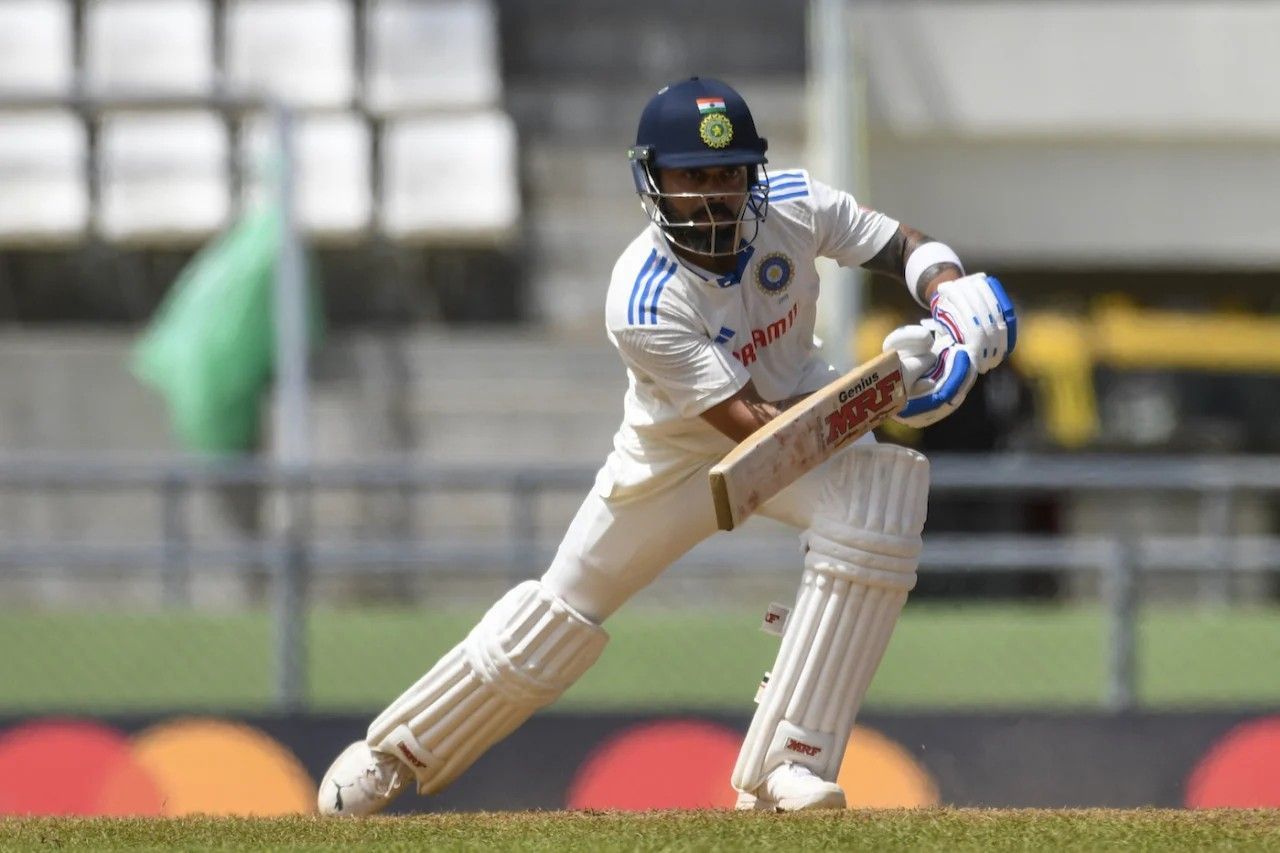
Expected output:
(970, 656)
(932, 829)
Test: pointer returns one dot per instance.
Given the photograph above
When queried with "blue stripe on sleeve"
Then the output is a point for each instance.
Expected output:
(785, 196)
(648, 284)
(774, 186)
(635, 288)
(657, 294)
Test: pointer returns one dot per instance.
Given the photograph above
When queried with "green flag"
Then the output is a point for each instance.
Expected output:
(210, 348)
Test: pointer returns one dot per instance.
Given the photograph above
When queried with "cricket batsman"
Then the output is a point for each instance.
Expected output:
(712, 310)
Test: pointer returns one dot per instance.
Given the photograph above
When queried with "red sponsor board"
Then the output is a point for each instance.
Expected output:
(269, 764)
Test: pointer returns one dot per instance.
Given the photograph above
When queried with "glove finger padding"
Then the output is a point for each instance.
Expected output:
(977, 313)
(939, 393)
(937, 371)
(1004, 305)
(915, 347)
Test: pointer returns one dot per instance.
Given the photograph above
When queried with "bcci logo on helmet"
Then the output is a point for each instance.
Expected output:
(716, 130)
(774, 273)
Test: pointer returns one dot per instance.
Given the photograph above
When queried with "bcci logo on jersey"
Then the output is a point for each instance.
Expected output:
(774, 273)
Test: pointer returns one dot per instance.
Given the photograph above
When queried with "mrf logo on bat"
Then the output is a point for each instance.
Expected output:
(872, 396)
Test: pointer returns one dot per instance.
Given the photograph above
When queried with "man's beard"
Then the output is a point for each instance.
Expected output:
(708, 239)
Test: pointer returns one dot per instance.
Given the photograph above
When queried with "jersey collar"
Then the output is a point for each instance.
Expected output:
(727, 280)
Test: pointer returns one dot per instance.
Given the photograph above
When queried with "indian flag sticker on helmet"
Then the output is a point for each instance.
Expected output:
(716, 130)
(710, 105)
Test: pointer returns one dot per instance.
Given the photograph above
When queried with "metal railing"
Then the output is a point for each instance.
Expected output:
(296, 552)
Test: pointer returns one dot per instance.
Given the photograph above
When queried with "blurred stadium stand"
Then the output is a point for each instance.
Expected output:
(407, 159)
(460, 71)
(159, 46)
(302, 51)
(162, 177)
(45, 197)
(460, 160)
(37, 46)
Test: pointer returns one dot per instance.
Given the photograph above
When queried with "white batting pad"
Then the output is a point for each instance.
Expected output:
(861, 556)
(522, 655)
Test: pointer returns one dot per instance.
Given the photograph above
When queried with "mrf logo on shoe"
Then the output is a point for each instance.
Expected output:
(803, 748)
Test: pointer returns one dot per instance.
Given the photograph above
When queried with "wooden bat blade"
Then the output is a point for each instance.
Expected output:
(806, 435)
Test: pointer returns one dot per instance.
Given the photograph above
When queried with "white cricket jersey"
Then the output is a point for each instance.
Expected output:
(691, 338)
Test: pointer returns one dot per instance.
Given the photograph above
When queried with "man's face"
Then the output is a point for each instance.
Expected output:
(721, 194)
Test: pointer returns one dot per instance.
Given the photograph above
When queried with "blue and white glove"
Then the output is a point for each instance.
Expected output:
(979, 315)
(940, 362)
(937, 371)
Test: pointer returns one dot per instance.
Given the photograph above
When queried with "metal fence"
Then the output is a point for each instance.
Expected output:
(298, 553)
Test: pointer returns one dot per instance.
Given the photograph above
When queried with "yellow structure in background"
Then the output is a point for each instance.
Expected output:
(1058, 352)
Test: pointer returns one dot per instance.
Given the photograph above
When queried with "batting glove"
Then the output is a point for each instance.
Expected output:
(938, 371)
(979, 315)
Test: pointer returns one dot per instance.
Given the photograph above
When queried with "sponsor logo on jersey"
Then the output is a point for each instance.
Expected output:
(870, 398)
(803, 748)
(716, 130)
(725, 334)
(773, 274)
(761, 338)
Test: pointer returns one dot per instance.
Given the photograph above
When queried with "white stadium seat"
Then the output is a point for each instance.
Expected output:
(299, 50)
(163, 176)
(36, 46)
(43, 190)
(333, 196)
(146, 46)
(450, 177)
(425, 54)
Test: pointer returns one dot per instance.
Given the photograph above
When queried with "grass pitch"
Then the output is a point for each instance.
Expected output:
(929, 829)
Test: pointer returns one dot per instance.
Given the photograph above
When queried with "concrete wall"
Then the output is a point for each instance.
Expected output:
(1079, 134)
(484, 397)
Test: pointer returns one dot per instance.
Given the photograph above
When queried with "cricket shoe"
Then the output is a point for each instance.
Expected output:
(792, 788)
(361, 782)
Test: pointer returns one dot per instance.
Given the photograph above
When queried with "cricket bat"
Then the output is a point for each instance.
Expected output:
(804, 436)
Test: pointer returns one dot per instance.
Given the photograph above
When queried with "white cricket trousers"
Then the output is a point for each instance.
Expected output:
(613, 549)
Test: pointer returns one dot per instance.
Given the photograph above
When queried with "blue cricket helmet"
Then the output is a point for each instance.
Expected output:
(700, 123)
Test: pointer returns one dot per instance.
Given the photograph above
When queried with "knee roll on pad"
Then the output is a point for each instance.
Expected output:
(862, 549)
(522, 655)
